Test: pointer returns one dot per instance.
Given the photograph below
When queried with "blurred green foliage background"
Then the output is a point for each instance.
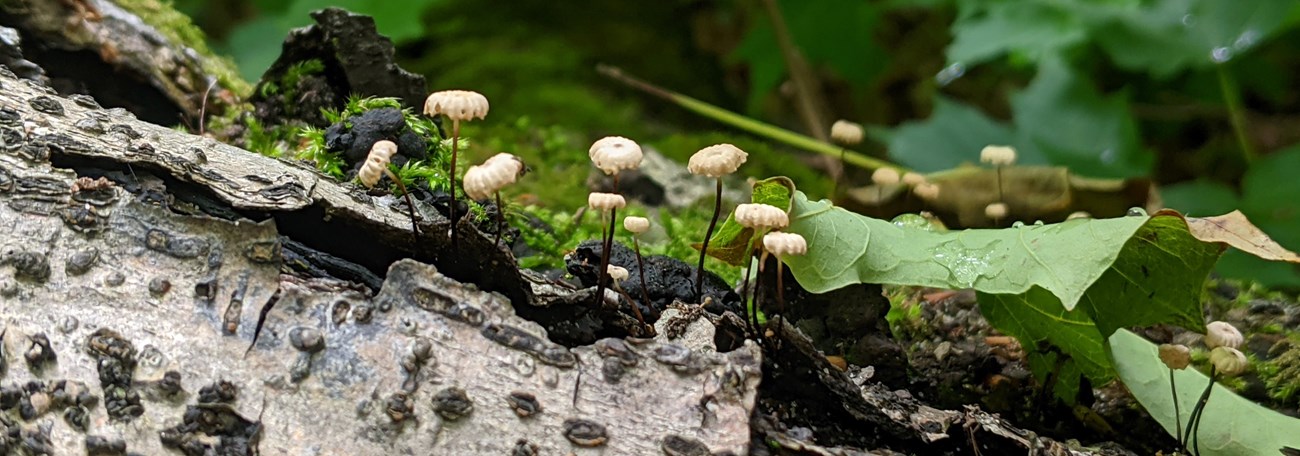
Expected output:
(1199, 95)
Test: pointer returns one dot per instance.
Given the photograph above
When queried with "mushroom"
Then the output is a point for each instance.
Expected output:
(636, 226)
(605, 203)
(618, 274)
(489, 178)
(998, 156)
(781, 245)
(456, 105)
(714, 161)
(376, 166)
(612, 154)
(996, 211)
(846, 134)
(884, 177)
(760, 218)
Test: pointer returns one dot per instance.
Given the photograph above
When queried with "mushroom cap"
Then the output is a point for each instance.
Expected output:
(614, 153)
(1222, 334)
(481, 181)
(761, 216)
(1176, 356)
(885, 176)
(636, 225)
(618, 273)
(998, 155)
(1228, 361)
(456, 105)
(927, 191)
(784, 244)
(913, 179)
(605, 201)
(846, 133)
(376, 162)
(995, 210)
(717, 160)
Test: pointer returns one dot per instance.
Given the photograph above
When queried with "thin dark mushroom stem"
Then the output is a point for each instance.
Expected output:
(704, 249)
(780, 301)
(1178, 416)
(635, 310)
(451, 178)
(1194, 422)
(640, 269)
(415, 227)
(607, 243)
(501, 219)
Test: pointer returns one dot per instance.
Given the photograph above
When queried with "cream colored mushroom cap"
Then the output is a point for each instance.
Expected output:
(784, 244)
(846, 133)
(998, 155)
(605, 201)
(457, 104)
(614, 153)
(761, 216)
(885, 176)
(376, 162)
(927, 191)
(618, 273)
(1228, 361)
(1222, 334)
(995, 210)
(1175, 356)
(913, 179)
(482, 181)
(636, 225)
(717, 160)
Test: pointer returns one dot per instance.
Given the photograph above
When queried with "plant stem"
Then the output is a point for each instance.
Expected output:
(1236, 114)
(765, 130)
(451, 179)
(704, 249)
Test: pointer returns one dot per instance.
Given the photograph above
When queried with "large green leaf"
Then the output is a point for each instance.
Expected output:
(987, 30)
(1061, 115)
(1231, 425)
(1044, 327)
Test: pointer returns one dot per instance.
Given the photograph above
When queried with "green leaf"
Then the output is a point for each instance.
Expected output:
(985, 31)
(733, 243)
(1231, 425)
(1063, 116)
(1269, 191)
(1038, 320)
(953, 135)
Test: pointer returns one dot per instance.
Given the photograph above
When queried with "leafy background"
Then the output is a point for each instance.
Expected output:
(1194, 94)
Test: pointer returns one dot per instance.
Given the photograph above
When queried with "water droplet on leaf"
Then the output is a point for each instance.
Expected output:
(1221, 54)
(950, 73)
(1136, 212)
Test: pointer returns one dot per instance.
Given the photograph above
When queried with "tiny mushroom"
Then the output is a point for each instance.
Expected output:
(714, 161)
(636, 225)
(885, 176)
(489, 178)
(612, 154)
(995, 211)
(782, 245)
(913, 179)
(846, 133)
(376, 165)
(998, 155)
(619, 274)
(761, 216)
(1175, 356)
(1222, 334)
(456, 105)
(605, 202)
(1228, 361)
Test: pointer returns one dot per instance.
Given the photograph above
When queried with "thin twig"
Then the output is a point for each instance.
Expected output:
(808, 98)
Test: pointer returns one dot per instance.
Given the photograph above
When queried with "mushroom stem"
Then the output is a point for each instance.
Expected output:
(1000, 197)
(607, 237)
(640, 270)
(1178, 416)
(704, 249)
(751, 308)
(635, 309)
(451, 178)
(415, 228)
(501, 219)
(1194, 422)
(780, 302)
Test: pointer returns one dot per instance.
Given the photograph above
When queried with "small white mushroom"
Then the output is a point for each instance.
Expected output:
(784, 244)
(717, 160)
(618, 273)
(761, 216)
(998, 155)
(913, 179)
(1222, 334)
(376, 164)
(995, 211)
(885, 176)
(457, 105)
(1175, 356)
(927, 191)
(636, 225)
(1228, 361)
(605, 201)
(846, 133)
(614, 153)
(482, 181)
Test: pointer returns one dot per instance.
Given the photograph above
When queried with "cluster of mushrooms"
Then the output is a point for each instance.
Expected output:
(1226, 360)
(611, 155)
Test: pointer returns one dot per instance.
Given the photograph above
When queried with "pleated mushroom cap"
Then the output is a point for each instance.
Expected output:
(784, 244)
(376, 162)
(761, 216)
(717, 160)
(615, 153)
(846, 133)
(482, 181)
(605, 201)
(457, 104)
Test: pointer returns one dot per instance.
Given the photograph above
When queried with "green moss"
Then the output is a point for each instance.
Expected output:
(178, 28)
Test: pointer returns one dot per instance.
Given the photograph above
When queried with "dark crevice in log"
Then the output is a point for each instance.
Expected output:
(112, 88)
